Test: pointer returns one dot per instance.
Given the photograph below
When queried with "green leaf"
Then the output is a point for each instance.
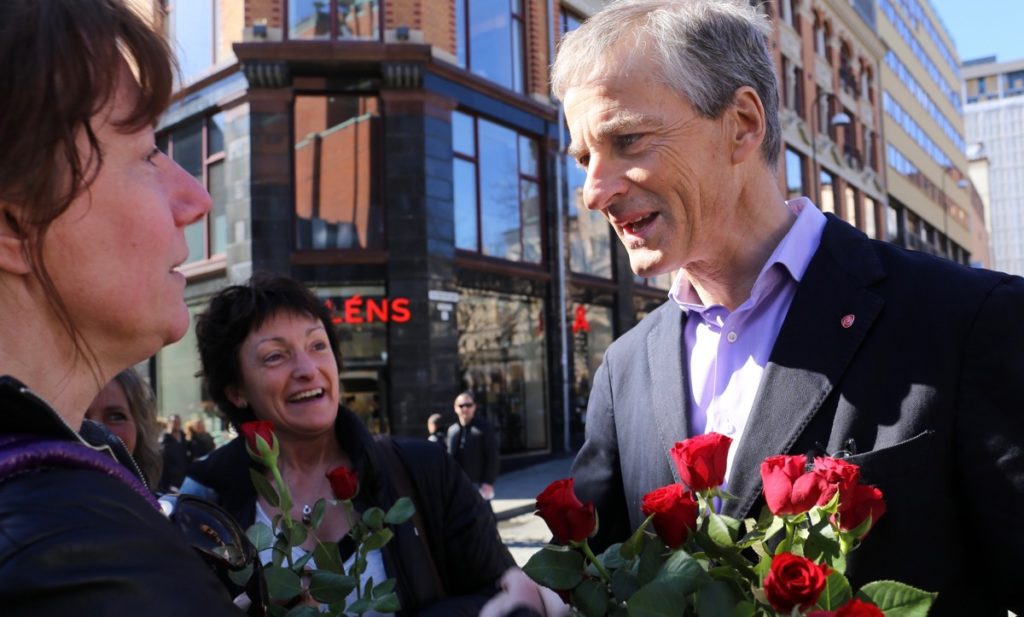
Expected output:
(684, 572)
(591, 597)
(631, 548)
(328, 587)
(303, 611)
(745, 609)
(557, 570)
(264, 488)
(374, 518)
(612, 558)
(715, 600)
(387, 603)
(328, 558)
(282, 583)
(359, 607)
(301, 562)
(821, 543)
(241, 577)
(401, 511)
(723, 530)
(298, 535)
(282, 550)
(377, 539)
(624, 584)
(384, 588)
(897, 599)
(261, 536)
(659, 598)
(837, 592)
(319, 508)
(651, 560)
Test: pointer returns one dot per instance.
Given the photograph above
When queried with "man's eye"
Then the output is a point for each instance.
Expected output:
(625, 141)
(583, 160)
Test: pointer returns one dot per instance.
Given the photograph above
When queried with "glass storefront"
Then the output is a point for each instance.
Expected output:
(592, 333)
(503, 360)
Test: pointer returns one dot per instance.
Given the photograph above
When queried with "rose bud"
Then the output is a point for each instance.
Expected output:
(794, 581)
(567, 518)
(344, 483)
(788, 489)
(260, 440)
(675, 513)
(860, 502)
(859, 608)
(701, 461)
(835, 474)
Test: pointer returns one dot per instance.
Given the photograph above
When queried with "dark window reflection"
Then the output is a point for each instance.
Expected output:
(489, 40)
(589, 232)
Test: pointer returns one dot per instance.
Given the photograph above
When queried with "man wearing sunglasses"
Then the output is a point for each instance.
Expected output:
(471, 442)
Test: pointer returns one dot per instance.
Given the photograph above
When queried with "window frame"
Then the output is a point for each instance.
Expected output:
(333, 18)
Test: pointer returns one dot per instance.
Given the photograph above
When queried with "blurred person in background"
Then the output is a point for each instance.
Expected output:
(472, 442)
(175, 451)
(127, 407)
(199, 441)
(435, 431)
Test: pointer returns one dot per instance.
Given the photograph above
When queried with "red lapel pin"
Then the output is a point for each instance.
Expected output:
(847, 320)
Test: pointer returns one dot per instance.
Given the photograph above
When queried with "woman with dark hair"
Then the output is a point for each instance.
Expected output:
(127, 407)
(92, 230)
(269, 352)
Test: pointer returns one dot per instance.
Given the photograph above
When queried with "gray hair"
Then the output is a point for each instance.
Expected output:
(703, 49)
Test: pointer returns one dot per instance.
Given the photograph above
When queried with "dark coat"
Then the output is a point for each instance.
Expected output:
(478, 455)
(928, 382)
(77, 541)
(461, 532)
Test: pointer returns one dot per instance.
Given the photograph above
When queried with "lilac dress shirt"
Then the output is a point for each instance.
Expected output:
(727, 352)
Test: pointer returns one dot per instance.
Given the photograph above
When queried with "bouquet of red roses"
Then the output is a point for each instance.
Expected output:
(696, 561)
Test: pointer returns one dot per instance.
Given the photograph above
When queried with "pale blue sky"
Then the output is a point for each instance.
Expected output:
(984, 27)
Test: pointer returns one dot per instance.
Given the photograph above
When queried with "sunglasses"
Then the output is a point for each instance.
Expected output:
(465, 405)
(223, 545)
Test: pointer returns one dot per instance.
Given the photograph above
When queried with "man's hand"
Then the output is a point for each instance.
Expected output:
(486, 491)
(520, 592)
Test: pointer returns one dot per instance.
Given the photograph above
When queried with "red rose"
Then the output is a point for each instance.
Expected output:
(567, 518)
(255, 431)
(344, 482)
(701, 460)
(859, 608)
(862, 500)
(788, 488)
(836, 474)
(794, 581)
(675, 513)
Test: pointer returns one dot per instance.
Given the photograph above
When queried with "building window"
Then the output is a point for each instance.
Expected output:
(870, 217)
(570, 20)
(589, 233)
(192, 28)
(828, 196)
(591, 335)
(333, 19)
(850, 213)
(795, 186)
(820, 38)
(892, 224)
(489, 40)
(198, 146)
(337, 197)
(497, 190)
(503, 360)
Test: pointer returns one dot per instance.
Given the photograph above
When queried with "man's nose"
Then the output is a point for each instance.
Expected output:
(605, 182)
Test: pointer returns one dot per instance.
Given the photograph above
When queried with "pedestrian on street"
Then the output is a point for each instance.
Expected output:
(472, 442)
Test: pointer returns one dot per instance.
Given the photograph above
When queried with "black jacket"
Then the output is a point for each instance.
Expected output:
(478, 452)
(460, 529)
(77, 541)
(927, 382)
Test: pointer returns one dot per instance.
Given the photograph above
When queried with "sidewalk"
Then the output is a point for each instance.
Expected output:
(516, 491)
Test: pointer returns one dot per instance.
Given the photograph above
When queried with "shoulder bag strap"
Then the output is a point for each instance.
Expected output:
(399, 476)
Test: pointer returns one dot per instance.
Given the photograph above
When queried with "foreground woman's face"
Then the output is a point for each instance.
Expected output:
(289, 375)
(114, 253)
(110, 408)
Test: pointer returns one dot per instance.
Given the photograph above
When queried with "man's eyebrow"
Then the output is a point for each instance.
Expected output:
(621, 123)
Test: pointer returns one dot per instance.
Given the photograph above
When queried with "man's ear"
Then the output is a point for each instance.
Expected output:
(749, 124)
(14, 243)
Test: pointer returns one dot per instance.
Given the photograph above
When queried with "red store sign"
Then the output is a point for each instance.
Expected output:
(357, 309)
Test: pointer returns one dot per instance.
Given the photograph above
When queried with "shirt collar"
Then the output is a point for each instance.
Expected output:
(793, 254)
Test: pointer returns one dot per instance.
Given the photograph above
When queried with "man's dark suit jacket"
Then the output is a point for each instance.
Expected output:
(928, 381)
(478, 454)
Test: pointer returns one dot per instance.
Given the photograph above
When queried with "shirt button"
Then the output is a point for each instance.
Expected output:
(731, 337)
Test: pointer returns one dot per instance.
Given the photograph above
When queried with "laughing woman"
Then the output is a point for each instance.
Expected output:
(92, 229)
(269, 352)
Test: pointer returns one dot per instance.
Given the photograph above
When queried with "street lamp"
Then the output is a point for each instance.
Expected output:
(839, 119)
